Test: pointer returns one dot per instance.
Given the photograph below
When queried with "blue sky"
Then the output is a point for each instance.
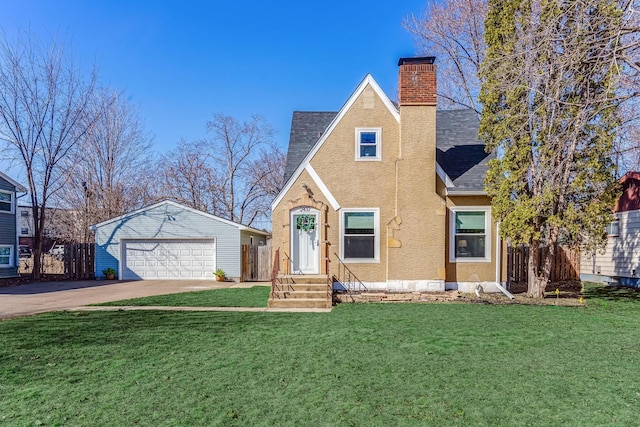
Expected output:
(180, 61)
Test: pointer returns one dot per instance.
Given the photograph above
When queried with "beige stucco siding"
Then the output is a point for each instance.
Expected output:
(403, 186)
(420, 208)
(361, 184)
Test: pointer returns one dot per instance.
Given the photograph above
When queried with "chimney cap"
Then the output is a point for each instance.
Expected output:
(417, 60)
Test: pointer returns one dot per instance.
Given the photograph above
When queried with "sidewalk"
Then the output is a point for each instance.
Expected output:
(43, 297)
(168, 308)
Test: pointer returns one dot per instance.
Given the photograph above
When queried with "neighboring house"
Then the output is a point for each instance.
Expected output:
(60, 225)
(394, 193)
(172, 241)
(620, 260)
(8, 224)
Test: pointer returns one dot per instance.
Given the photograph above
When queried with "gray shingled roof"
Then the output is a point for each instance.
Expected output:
(306, 129)
(459, 152)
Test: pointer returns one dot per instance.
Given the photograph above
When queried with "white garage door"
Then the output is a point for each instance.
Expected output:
(168, 259)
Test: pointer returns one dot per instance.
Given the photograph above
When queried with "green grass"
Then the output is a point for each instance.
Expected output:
(366, 365)
(256, 296)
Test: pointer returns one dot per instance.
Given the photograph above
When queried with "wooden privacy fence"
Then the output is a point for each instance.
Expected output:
(79, 261)
(256, 263)
(566, 265)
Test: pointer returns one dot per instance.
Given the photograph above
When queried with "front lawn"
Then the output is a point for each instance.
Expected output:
(256, 296)
(361, 364)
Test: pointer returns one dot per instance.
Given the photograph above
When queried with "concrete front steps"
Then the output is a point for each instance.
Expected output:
(301, 291)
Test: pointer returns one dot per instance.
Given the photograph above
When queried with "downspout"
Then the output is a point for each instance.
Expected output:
(498, 263)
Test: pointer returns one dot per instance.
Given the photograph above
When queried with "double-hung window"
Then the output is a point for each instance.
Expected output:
(360, 235)
(6, 258)
(368, 144)
(6, 202)
(470, 234)
(613, 228)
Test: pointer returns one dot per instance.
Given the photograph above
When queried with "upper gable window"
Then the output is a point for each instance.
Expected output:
(368, 144)
(6, 202)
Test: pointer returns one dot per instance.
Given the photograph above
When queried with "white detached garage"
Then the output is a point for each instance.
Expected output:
(172, 241)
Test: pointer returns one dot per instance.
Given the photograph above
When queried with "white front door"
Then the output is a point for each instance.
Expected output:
(305, 242)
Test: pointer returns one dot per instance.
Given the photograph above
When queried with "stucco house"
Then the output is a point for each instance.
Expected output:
(619, 262)
(8, 226)
(168, 240)
(394, 193)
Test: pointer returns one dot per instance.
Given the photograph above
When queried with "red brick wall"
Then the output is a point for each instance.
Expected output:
(417, 84)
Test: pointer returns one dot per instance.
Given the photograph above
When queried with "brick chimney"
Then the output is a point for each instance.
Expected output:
(417, 81)
(416, 179)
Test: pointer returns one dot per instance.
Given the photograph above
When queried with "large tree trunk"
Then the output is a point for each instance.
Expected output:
(536, 277)
(539, 266)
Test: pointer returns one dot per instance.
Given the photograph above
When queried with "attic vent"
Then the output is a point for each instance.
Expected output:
(319, 134)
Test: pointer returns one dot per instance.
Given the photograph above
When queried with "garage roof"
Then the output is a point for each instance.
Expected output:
(180, 206)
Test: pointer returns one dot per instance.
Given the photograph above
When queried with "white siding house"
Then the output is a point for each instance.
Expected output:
(619, 262)
(171, 241)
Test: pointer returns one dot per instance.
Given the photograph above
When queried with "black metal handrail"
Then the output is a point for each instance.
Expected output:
(347, 278)
(329, 279)
(278, 283)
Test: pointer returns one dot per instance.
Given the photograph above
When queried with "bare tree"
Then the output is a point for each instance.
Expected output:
(234, 174)
(453, 30)
(188, 177)
(234, 147)
(44, 113)
(108, 170)
(266, 179)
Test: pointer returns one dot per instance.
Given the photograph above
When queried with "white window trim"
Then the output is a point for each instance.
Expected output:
(378, 156)
(610, 228)
(12, 202)
(376, 239)
(11, 256)
(452, 233)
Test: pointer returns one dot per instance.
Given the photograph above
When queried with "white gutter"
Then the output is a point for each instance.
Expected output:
(498, 260)
(456, 192)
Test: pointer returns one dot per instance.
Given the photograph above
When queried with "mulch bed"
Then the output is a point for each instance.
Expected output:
(569, 294)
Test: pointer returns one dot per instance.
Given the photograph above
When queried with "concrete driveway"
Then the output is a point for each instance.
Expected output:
(52, 296)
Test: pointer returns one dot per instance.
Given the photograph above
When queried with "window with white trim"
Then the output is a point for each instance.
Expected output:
(360, 235)
(470, 234)
(6, 202)
(613, 228)
(24, 231)
(368, 144)
(6, 256)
